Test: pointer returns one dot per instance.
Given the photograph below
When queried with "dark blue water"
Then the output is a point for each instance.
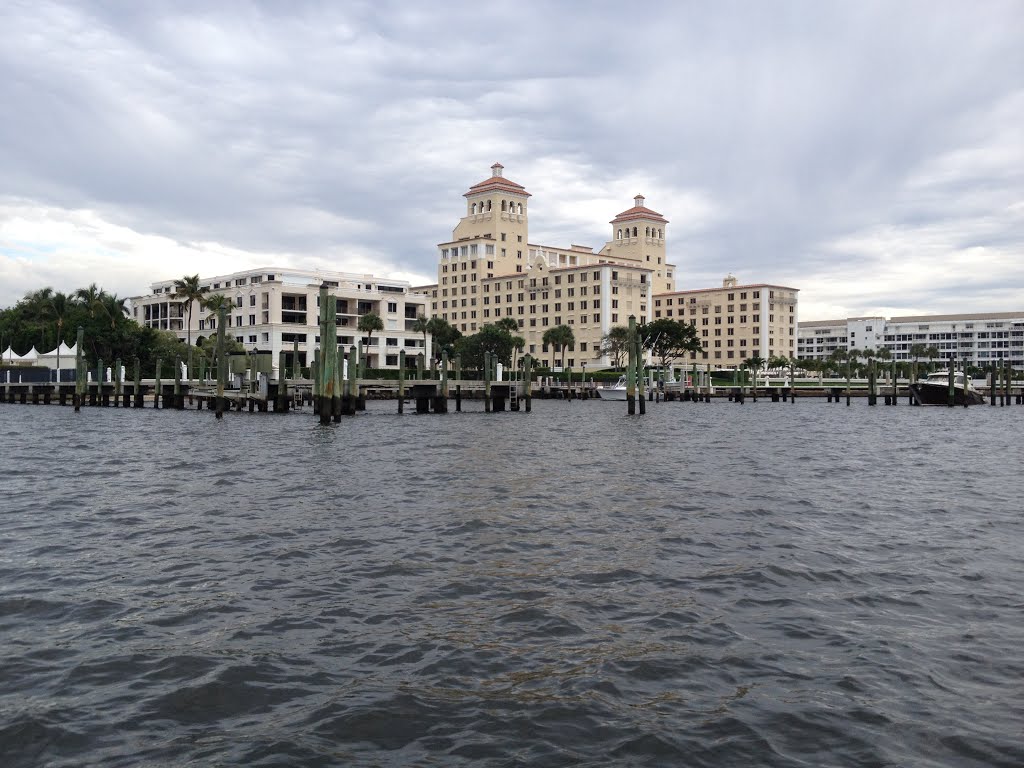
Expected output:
(709, 585)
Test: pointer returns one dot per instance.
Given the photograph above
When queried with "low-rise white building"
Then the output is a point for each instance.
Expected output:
(975, 339)
(272, 308)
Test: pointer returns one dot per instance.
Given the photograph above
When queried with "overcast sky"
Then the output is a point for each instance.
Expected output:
(870, 154)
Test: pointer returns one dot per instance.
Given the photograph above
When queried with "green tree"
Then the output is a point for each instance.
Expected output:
(614, 344)
(114, 308)
(189, 291)
(489, 338)
(668, 340)
(932, 352)
(754, 363)
(421, 325)
(213, 302)
(89, 297)
(368, 324)
(560, 336)
(509, 324)
(444, 334)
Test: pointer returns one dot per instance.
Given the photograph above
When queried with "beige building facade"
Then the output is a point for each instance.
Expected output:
(489, 270)
(736, 321)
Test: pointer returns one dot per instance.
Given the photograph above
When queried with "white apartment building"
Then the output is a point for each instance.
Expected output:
(975, 339)
(272, 308)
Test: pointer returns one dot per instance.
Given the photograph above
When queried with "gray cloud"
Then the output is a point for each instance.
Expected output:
(795, 141)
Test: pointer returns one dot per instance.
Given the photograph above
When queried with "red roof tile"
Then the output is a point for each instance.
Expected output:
(639, 212)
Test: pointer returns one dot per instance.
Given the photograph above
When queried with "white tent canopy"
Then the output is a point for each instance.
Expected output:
(63, 352)
(10, 356)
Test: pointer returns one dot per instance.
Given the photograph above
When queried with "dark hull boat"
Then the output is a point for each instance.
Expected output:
(935, 390)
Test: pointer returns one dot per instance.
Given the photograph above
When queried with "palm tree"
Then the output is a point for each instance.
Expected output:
(369, 323)
(518, 345)
(59, 306)
(421, 325)
(188, 290)
(932, 352)
(754, 363)
(561, 336)
(114, 307)
(89, 297)
(214, 302)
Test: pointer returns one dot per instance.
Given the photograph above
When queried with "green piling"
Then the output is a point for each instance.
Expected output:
(179, 401)
(631, 369)
(137, 380)
(79, 371)
(401, 381)
(222, 366)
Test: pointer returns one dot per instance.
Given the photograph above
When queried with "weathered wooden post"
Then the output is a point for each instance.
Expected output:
(528, 381)
(117, 382)
(296, 368)
(79, 370)
(848, 371)
(487, 382)
(458, 386)
(99, 383)
(640, 375)
(792, 381)
(156, 383)
(222, 365)
(444, 382)
(137, 381)
(314, 374)
(401, 381)
(952, 385)
(419, 367)
(328, 345)
(353, 377)
(179, 400)
(1005, 399)
(872, 396)
(281, 403)
(631, 369)
(337, 405)
(362, 367)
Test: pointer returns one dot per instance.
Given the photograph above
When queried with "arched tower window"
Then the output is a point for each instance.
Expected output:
(634, 231)
(660, 236)
(488, 205)
(474, 208)
(618, 235)
(647, 231)
(520, 206)
(503, 205)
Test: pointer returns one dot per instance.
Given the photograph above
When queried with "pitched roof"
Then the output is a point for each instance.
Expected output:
(497, 182)
(639, 212)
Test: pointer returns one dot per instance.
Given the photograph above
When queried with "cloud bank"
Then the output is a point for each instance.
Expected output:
(869, 154)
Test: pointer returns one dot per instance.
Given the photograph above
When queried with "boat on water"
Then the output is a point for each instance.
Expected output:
(934, 390)
(616, 391)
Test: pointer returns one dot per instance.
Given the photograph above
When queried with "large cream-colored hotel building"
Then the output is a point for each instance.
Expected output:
(489, 270)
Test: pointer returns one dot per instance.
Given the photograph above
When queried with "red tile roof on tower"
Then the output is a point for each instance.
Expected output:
(639, 212)
(497, 182)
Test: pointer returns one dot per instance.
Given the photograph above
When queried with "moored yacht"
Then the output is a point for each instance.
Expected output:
(934, 390)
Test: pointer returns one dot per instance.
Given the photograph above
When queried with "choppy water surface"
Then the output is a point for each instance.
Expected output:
(709, 585)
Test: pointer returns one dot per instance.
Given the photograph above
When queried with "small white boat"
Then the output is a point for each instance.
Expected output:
(616, 391)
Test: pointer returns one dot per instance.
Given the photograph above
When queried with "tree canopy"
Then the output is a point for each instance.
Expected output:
(188, 290)
(560, 336)
(44, 318)
(668, 339)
